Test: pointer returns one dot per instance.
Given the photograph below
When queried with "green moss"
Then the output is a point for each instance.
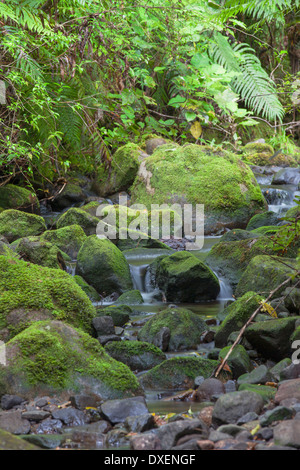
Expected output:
(103, 266)
(199, 175)
(121, 174)
(132, 297)
(68, 239)
(137, 355)
(30, 292)
(75, 216)
(185, 327)
(120, 314)
(266, 392)
(266, 230)
(262, 220)
(89, 290)
(177, 373)
(16, 224)
(54, 356)
(238, 361)
(16, 197)
(40, 252)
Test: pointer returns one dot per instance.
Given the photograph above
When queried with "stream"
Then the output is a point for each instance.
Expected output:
(280, 198)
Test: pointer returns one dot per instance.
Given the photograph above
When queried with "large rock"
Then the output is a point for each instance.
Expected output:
(71, 194)
(185, 326)
(16, 224)
(194, 174)
(137, 355)
(264, 273)
(178, 373)
(76, 216)
(16, 197)
(103, 266)
(236, 315)
(29, 292)
(120, 174)
(287, 176)
(116, 411)
(271, 338)
(184, 278)
(52, 358)
(40, 252)
(232, 406)
(9, 441)
(68, 239)
(287, 433)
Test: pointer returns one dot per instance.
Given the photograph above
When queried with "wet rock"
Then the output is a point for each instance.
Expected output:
(70, 195)
(70, 416)
(35, 415)
(287, 176)
(120, 314)
(259, 375)
(81, 402)
(86, 439)
(169, 434)
(265, 391)
(232, 406)
(238, 361)
(10, 401)
(15, 224)
(12, 421)
(140, 423)
(103, 325)
(145, 441)
(116, 411)
(162, 338)
(117, 438)
(49, 426)
(9, 441)
(137, 355)
(104, 339)
(279, 413)
(251, 416)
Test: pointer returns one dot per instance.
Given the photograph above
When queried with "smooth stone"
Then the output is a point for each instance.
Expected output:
(116, 411)
(12, 421)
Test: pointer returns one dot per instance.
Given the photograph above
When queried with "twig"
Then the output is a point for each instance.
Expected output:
(248, 323)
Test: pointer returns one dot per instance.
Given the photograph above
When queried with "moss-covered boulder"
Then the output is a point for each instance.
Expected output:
(68, 239)
(71, 194)
(19, 198)
(11, 442)
(195, 174)
(103, 266)
(266, 392)
(186, 328)
(238, 234)
(16, 224)
(53, 358)
(75, 216)
(40, 252)
(120, 314)
(89, 290)
(238, 360)
(131, 297)
(236, 315)
(120, 174)
(264, 273)
(137, 355)
(263, 154)
(263, 219)
(184, 278)
(230, 258)
(178, 373)
(29, 292)
(272, 338)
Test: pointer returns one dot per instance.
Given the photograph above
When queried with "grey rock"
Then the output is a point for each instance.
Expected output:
(104, 325)
(259, 375)
(9, 401)
(49, 426)
(232, 406)
(116, 411)
(140, 423)
(251, 416)
(70, 416)
(287, 433)
(279, 413)
(169, 434)
(104, 339)
(35, 415)
(145, 441)
(12, 422)
(81, 402)
(162, 338)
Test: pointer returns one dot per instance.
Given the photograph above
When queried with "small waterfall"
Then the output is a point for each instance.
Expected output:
(138, 273)
(71, 267)
(225, 290)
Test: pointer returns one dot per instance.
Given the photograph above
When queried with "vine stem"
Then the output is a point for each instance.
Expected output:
(242, 330)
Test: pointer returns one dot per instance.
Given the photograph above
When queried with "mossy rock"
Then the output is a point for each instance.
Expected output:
(231, 258)
(16, 224)
(75, 216)
(30, 293)
(263, 219)
(268, 230)
(19, 198)
(119, 313)
(40, 252)
(184, 278)
(87, 289)
(238, 361)
(177, 373)
(272, 338)
(263, 154)
(137, 355)
(131, 297)
(103, 266)
(238, 234)
(53, 358)
(265, 391)
(71, 194)
(264, 274)
(186, 328)
(195, 174)
(121, 173)
(235, 316)
(10, 442)
(68, 239)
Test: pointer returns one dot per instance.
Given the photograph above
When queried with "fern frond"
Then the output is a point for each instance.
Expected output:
(258, 9)
(252, 82)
